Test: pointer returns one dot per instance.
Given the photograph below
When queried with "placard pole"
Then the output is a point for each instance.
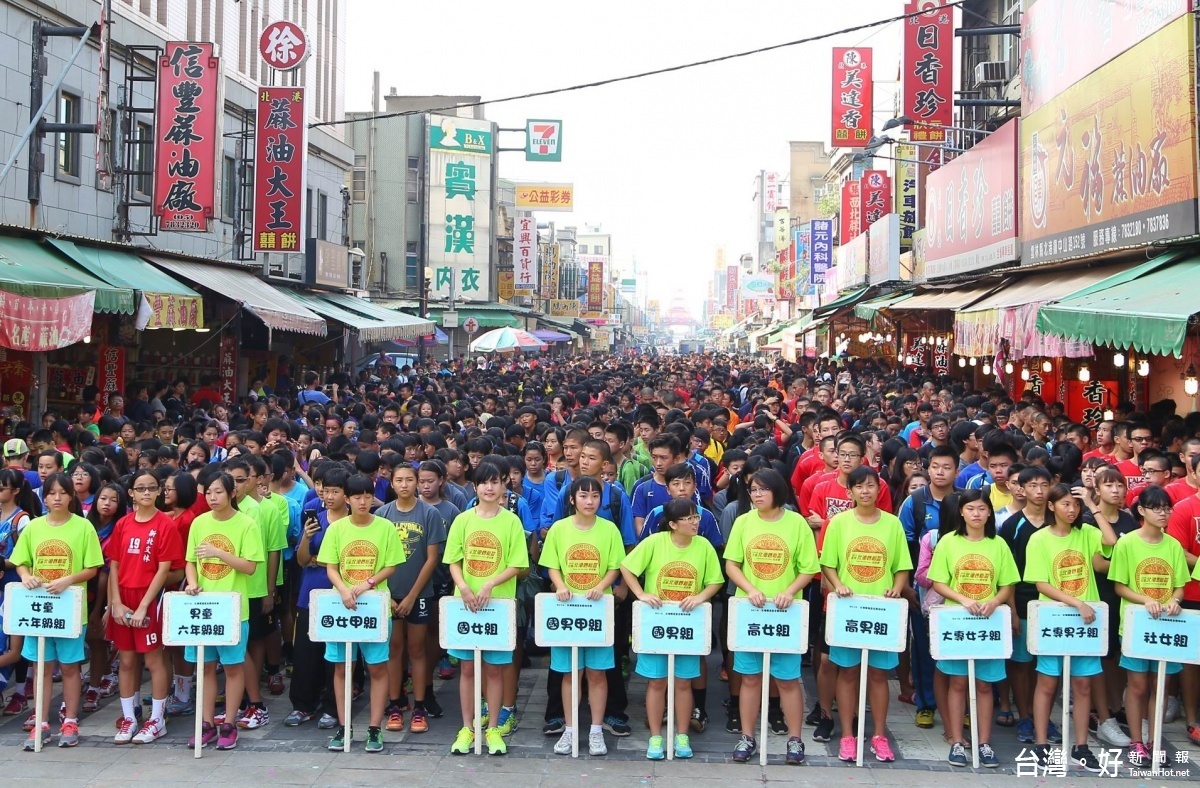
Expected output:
(974, 714)
(40, 687)
(1066, 709)
(1159, 692)
(762, 710)
(477, 658)
(574, 701)
(670, 707)
(862, 704)
(200, 700)
(347, 693)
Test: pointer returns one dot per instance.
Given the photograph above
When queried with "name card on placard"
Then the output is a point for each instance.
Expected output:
(1059, 630)
(38, 613)
(957, 634)
(670, 630)
(866, 622)
(768, 629)
(579, 622)
(211, 618)
(492, 628)
(329, 621)
(1166, 638)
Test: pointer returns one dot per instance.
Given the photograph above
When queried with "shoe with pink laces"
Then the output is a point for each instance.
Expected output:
(848, 749)
(881, 749)
(17, 704)
(91, 699)
(126, 728)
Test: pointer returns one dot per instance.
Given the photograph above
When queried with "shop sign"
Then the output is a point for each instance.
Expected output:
(770, 195)
(851, 213)
(543, 140)
(907, 193)
(595, 286)
(1110, 163)
(783, 235)
(38, 325)
(971, 208)
(759, 287)
(1086, 402)
(852, 97)
(283, 45)
(16, 381)
(459, 200)
(801, 269)
(327, 264)
(883, 238)
(564, 307)
(545, 197)
(852, 263)
(525, 264)
(875, 187)
(928, 69)
(731, 286)
(280, 152)
(505, 284)
(167, 310)
(111, 378)
(227, 367)
(186, 148)
(821, 233)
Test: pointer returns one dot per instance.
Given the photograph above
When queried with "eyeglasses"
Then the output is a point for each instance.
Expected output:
(145, 490)
(1155, 470)
(691, 518)
(754, 490)
(912, 462)
(849, 456)
(1143, 439)
(242, 479)
(1164, 510)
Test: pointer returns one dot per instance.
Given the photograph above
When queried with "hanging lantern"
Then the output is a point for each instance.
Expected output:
(1047, 365)
(1143, 368)
(1024, 373)
(987, 368)
(1008, 367)
(1190, 385)
(962, 362)
(1118, 359)
(972, 361)
(1085, 374)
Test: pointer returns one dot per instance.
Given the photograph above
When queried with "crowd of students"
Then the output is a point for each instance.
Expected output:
(672, 480)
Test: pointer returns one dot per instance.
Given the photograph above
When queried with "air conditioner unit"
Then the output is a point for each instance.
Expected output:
(991, 72)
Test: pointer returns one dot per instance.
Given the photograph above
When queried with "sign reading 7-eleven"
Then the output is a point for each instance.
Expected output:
(544, 140)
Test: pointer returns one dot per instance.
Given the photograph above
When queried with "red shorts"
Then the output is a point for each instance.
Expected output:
(139, 639)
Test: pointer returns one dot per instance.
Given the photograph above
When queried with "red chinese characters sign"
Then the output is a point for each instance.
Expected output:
(16, 382)
(186, 123)
(227, 367)
(1086, 402)
(852, 94)
(928, 69)
(851, 213)
(111, 377)
(875, 189)
(283, 45)
(280, 148)
(41, 324)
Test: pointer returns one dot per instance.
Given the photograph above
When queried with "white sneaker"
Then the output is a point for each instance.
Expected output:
(254, 718)
(126, 727)
(596, 744)
(1171, 712)
(1110, 733)
(151, 730)
(563, 745)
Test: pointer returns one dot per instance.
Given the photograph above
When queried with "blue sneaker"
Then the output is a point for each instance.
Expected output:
(177, 708)
(1053, 734)
(683, 746)
(1025, 733)
(655, 750)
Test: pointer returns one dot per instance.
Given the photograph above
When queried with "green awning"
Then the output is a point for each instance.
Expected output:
(400, 324)
(868, 310)
(1146, 307)
(379, 326)
(487, 318)
(850, 299)
(33, 270)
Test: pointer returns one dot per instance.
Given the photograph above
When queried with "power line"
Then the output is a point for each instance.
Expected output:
(643, 74)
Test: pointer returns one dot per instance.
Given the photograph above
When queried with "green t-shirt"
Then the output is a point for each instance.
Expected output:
(239, 536)
(583, 556)
(674, 573)
(280, 502)
(359, 551)
(772, 554)
(54, 551)
(975, 569)
(273, 529)
(867, 556)
(486, 547)
(1153, 570)
(1064, 561)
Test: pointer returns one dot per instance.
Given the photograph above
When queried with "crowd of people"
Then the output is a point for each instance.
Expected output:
(666, 479)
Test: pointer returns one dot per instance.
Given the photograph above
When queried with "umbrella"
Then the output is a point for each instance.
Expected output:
(506, 340)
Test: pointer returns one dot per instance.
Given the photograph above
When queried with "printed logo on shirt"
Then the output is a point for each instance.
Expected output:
(1153, 577)
(53, 560)
(481, 554)
(677, 581)
(866, 559)
(213, 568)
(358, 560)
(581, 566)
(974, 573)
(768, 555)
(834, 506)
(410, 537)
(1070, 570)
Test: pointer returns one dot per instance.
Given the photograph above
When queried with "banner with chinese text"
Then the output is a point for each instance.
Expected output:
(928, 69)
(188, 142)
(227, 366)
(595, 286)
(280, 174)
(876, 191)
(41, 324)
(459, 199)
(821, 235)
(110, 378)
(907, 193)
(851, 215)
(525, 266)
(852, 94)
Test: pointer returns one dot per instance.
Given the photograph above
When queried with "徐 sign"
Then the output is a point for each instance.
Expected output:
(578, 622)
(768, 629)
(283, 45)
(330, 621)
(543, 140)
(210, 618)
(866, 622)
(670, 630)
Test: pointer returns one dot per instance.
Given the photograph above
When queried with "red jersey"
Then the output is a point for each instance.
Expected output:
(184, 523)
(830, 498)
(804, 467)
(1132, 473)
(1179, 490)
(806, 491)
(1102, 455)
(138, 548)
(1184, 525)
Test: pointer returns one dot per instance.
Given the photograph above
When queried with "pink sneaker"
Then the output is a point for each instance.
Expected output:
(881, 749)
(227, 736)
(208, 734)
(848, 749)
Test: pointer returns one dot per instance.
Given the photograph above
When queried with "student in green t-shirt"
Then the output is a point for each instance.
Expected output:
(55, 552)
(583, 555)
(679, 568)
(1148, 568)
(485, 551)
(224, 549)
(974, 568)
(360, 553)
(771, 556)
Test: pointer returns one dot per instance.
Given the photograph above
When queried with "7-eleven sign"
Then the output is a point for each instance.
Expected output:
(544, 140)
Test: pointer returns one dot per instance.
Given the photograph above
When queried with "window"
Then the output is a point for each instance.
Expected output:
(583, 249)
(309, 206)
(142, 162)
(229, 187)
(1010, 46)
(414, 163)
(411, 191)
(358, 181)
(412, 276)
(322, 216)
(68, 145)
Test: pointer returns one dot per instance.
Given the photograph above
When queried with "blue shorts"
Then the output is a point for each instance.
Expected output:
(989, 670)
(1138, 665)
(851, 657)
(226, 655)
(1081, 667)
(372, 653)
(654, 666)
(490, 657)
(785, 667)
(590, 657)
(1020, 647)
(65, 651)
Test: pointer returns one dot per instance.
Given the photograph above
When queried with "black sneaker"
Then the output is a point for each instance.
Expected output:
(699, 720)
(1121, 719)
(617, 726)
(1081, 755)
(775, 721)
(1042, 753)
(1093, 723)
(432, 707)
(814, 716)
(824, 728)
(733, 718)
(554, 726)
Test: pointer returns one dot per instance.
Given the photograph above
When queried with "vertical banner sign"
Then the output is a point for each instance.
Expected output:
(595, 286)
(770, 196)
(907, 173)
(459, 200)
(852, 97)
(555, 268)
(821, 234)
(851, 213)
(280, 150)
(227, 368)
(731, 287)
(112, 372)
(876, 191)
(525, 254)
(543, 140)
(783, 235)
(186, 149)
(928, 70)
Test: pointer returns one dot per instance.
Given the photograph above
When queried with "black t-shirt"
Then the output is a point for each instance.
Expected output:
(1016, 531)
(1124, 524)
